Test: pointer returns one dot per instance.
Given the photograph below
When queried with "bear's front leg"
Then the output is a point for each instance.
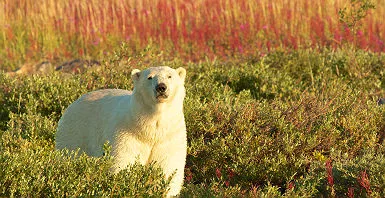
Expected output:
(171, 156)
(127, 150)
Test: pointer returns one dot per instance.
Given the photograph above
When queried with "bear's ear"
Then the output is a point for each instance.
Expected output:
(135, 74)
(181, 72)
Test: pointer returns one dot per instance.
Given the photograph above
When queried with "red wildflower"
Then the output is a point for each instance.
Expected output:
(218, 173)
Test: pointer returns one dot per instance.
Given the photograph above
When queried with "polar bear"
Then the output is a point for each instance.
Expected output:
(145, 125)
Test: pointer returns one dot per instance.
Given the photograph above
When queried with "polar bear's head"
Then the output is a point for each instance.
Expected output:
(157, 85)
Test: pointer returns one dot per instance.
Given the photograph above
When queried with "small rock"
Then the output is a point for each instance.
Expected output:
(31, 68)
(77, 66)
(380, 101)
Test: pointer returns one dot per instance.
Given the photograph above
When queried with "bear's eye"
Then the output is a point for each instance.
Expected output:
(169, 76)
(149, 78)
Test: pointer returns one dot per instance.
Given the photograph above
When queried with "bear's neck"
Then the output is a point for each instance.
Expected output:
(156, 123)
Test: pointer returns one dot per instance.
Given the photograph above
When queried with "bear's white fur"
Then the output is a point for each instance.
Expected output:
(146, 124)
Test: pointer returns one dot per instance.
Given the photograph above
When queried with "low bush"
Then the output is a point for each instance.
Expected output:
(302, 123)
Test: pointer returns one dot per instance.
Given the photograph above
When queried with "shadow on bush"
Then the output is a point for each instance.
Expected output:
(244, 82)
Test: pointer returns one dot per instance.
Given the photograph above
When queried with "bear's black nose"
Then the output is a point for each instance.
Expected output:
(161, 88)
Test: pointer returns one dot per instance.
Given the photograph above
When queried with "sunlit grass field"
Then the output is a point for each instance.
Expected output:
(281, 97)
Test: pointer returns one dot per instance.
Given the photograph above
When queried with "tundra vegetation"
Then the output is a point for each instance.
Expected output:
(281, 97)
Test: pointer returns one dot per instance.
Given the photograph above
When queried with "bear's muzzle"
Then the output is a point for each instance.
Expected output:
(161, 88)
(161, 92)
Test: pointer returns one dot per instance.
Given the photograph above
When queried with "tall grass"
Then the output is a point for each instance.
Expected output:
(31, 30)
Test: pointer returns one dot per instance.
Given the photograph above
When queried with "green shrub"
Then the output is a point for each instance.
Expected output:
(51, 174)
(263, 128)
